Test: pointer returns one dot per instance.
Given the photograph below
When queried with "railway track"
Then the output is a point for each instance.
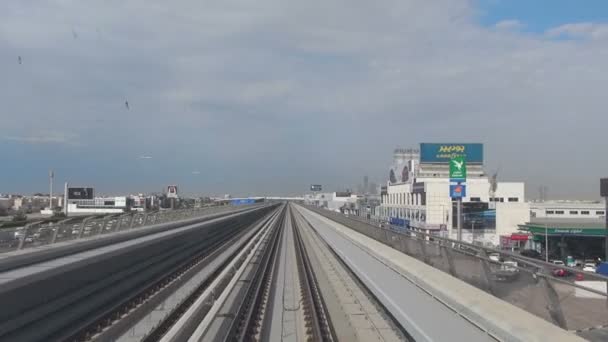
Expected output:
(287, 291)
(82, 305)
(263, 276)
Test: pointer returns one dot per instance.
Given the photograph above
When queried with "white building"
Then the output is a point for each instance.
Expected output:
(334, 201)
(419, 193)
(568, 209)
(99, 205)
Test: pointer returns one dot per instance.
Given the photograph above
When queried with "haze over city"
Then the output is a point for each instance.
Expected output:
(269, 97)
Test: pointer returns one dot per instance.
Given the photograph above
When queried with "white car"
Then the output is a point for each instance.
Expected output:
(510, 266)
(589, 268)
(494, 257)
(558, 262)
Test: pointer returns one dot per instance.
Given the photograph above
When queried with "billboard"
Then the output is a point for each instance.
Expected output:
(242, 201)
(80, 193)
(458, 190)
(443, 153)
(316, 187)
(172, 191)
(604, 187)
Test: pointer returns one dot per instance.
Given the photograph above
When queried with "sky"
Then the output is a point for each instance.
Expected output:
(269, 96)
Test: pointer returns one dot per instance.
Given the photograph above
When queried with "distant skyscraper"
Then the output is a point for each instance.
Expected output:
(365, 184)
(373, 188)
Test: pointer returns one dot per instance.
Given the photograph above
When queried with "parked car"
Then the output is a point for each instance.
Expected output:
(560, 272)
(508, 272)
(591, 261)
(494, 257)
(589, 267)
(570, 262)
(510, 266)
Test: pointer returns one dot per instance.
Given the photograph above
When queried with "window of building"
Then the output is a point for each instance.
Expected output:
(501, 199)
(513, 199)
(559, 212)
(573, 212)
(475, 199)
(549, 212)
(600, 212)
(584, 212)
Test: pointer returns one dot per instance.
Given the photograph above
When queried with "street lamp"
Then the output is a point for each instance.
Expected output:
(546, 243)
(473, 232)
(604, 193)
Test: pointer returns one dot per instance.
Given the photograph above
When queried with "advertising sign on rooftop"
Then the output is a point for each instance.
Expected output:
(80, 193)
(458, 169)
(316, 187)
(443, 153)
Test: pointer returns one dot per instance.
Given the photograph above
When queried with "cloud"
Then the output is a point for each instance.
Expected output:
(509, 25)
(300, 92)
(586, 30)
(45, 138)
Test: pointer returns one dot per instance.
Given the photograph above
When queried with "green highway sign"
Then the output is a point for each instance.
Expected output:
(458, 168)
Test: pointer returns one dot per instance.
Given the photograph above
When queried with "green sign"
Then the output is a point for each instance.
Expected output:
(458, 168)
(540, 230)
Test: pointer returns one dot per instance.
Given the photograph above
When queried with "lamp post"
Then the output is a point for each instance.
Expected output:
(604, 193)
(473, 232)
(546, 243)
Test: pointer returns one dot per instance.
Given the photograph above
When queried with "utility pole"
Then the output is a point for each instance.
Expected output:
(473, 232)
(459, 217)
(604, 193)
(51, 176)
(65, 199)
(546, 243)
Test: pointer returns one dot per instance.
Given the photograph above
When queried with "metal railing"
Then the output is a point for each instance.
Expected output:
(568, 297)
(38, 233)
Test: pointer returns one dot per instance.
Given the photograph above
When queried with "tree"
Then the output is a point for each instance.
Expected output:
(58, 214)
(19, 217)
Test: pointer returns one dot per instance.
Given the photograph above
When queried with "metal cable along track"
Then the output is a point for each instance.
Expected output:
(316, 312)
(176, 314)
(253, 313)
(246, 323)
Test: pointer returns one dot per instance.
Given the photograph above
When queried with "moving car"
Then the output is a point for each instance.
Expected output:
(558, 262)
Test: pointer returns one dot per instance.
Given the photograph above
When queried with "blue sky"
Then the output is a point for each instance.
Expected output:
(540, 15)
(270, 96)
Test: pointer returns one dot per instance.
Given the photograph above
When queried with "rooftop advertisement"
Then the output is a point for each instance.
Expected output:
(443, 153)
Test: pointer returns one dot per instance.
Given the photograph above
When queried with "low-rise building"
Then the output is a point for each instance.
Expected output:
(343, 201)
(590, 210)
(35, 203)
(99, 205)
(417, 196)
